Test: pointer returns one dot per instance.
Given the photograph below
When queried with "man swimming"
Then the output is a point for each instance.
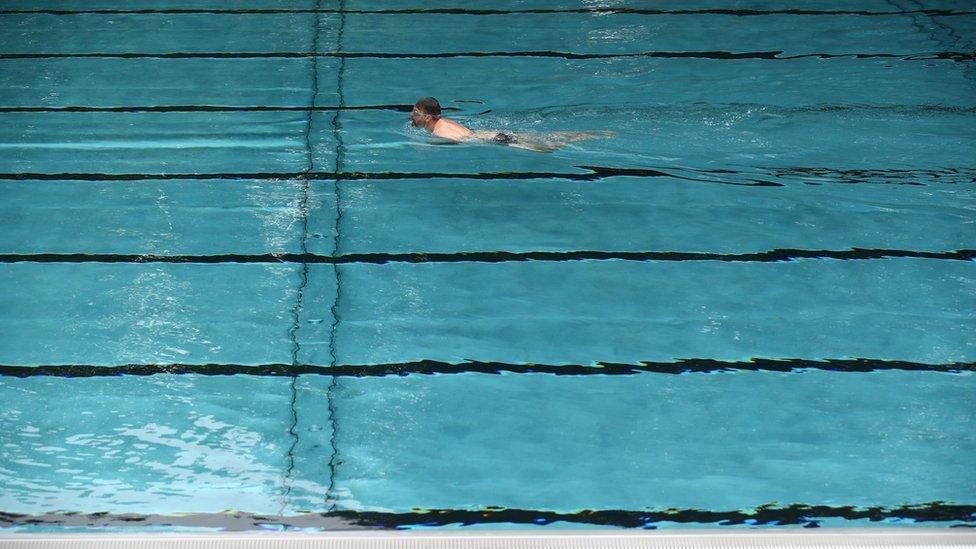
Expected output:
(426, 114)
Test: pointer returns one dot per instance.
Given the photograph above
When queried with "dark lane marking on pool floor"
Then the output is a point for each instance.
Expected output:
(902, 109)
(434, 367)
(720, 55)
(330, 495)
(593, 173)
(798, 514)
(769, 256)
(261, 108)
(809, 516)
(298, 306)
(865, 174)
(466, 11)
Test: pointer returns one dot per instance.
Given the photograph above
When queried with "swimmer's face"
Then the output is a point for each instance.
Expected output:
(418, 118)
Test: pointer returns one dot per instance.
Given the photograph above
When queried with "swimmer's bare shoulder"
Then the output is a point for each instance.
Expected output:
(449, 129)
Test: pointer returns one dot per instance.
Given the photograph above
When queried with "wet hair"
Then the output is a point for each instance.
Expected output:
(428, 105)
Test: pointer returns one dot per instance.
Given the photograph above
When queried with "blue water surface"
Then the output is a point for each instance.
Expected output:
(239, 291)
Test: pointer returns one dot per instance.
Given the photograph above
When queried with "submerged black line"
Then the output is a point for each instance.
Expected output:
(896, 108)
(293, 435)
(434, 367)
(592, 173)
(470, 11)
(766, 515)
(216, 108)
(955, 39)
(296, 311)
(797, 514)
(595, 173)
(871, 176)
(718, 55)
(305, 258)
(330, 494)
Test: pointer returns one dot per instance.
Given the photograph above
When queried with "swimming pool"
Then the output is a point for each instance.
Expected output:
(240, 292)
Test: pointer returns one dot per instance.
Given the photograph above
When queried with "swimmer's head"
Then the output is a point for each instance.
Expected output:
(424, 112)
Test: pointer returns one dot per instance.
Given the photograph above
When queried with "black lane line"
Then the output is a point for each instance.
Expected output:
(298, 306)
(719, 55)
(434, 367)
(861, 175)
(465, 11)
(769, 256)
(593, 173)
(335, 461)
(949, 37)
(905, 109)
(902, 109)
(809, 516)
(229, 108)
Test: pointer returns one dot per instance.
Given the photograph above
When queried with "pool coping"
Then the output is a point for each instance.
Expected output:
(902, 538)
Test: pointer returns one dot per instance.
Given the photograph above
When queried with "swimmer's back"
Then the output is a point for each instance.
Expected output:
(449, 129)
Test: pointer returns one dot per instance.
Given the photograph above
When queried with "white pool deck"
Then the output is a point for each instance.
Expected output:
(957, 538)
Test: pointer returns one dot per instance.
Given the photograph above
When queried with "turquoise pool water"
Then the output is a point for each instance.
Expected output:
(239, 291)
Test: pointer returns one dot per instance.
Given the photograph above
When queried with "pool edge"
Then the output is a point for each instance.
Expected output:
(803, 538)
